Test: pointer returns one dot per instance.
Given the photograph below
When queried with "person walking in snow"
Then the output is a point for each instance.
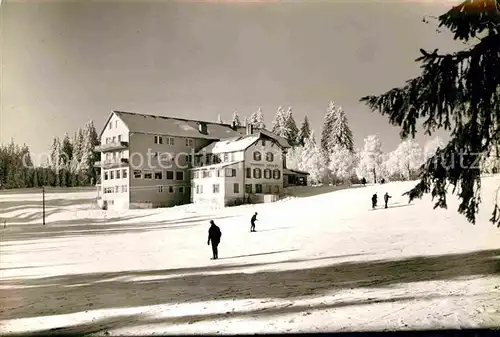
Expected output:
(363, 181)
(374, 200)
(252, 222)
(386, 198)
(214, 235)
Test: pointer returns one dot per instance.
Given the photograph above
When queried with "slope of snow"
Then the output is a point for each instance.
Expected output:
(319, 263)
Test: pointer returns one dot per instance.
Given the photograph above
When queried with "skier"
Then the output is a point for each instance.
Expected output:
(374, 200)
(214, 235)
(386, 198)
(252, 222)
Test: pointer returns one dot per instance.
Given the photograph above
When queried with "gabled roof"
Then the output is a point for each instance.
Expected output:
(293, 172)
(173, 126)
(231, 144)
(216, 166)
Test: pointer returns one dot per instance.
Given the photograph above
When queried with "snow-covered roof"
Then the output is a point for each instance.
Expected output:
(172, 126)
(292, 172)
(216, 166)
(231, 144)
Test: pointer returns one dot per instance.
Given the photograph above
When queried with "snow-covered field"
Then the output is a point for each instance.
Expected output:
(325, 262)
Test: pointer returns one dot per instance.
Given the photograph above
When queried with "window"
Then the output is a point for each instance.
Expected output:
(159, 189)
(248, 188)
(249, 172)
(208, 158)
(137, 174)
(119, 138)
(230, 172)
(215, 188)
(124, 188)
(257, 173)
(158, 175)
(269, 156)
(194, 174)
(158, 140)
(236, 188)
(110, 125)
(269, 189)
(106, 175)
(206, 174)
(226, 157)
(258, 188)
(117, 189)
(148, 175)
(114, 139)
(263, 142)
(181, 189)
(189, 142)
(170, 189)
(220, 173)
(111, 175)
(267, 174)
(257, 156)
(276, 174)
(170, 141)
(118, 174)
(277, 189)
(124, 173)
(179, 175)
(169, 175)
(116, 124)
(199, 189)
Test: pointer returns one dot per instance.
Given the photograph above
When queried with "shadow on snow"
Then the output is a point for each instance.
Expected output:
(77, 293)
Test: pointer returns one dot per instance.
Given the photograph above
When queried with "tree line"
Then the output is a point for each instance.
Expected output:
(69, 164)
(335, 160)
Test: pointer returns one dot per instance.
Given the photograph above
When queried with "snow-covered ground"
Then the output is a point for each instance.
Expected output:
(324, 262)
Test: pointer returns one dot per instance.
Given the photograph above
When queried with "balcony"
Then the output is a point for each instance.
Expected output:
(111, 146)
(112, 163)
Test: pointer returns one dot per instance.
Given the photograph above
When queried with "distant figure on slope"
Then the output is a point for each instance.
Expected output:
(214, 235)
(363, 181)
(252, 222)
(374, 200)
(382, 181)
(386, 198)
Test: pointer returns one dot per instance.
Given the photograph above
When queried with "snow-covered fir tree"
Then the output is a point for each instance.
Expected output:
(66, 151)
(432, 146)
(327, 141)
(342, 134)
(311, 160)
(55, 154)
(405, 161)
(257, 119)
(236, 119)
(279, 123)
(342, 164)
(291, 130)
(89, 156)
(304, 131)
(371, 159)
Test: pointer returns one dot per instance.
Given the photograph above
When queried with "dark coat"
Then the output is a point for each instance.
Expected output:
(214, 234)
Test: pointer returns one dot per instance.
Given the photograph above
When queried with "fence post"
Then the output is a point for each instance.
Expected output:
(43, 204)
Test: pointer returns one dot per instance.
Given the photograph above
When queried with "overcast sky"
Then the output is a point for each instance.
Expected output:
(65, 63)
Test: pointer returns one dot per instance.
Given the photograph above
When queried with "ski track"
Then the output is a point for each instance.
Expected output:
(315, 264)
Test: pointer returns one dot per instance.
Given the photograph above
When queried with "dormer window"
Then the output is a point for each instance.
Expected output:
(257, 156)
(269, 156)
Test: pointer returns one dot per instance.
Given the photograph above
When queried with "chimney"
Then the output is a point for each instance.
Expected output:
(249, 129)
(202, 127)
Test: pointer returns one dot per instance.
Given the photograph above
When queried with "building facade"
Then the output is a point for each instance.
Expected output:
(154, 161)
(235, 171)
